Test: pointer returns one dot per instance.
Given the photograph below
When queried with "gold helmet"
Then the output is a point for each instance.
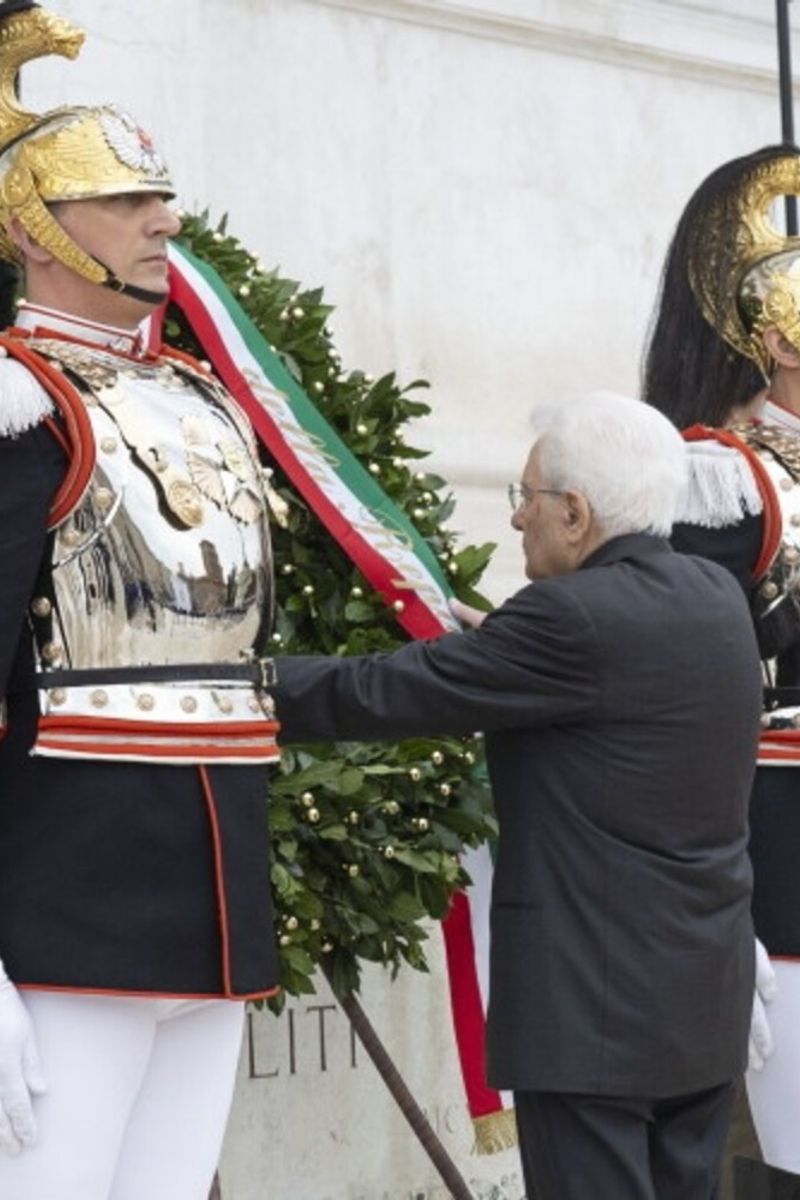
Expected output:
(744, 271)
(75, 153)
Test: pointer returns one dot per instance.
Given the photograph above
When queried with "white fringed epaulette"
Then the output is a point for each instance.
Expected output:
(23, 400)
(721, 489)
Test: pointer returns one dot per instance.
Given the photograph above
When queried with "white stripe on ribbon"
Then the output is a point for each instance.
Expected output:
(391, 545)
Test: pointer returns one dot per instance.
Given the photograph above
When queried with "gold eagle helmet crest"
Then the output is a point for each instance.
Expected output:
(744, 272)
(74, 153)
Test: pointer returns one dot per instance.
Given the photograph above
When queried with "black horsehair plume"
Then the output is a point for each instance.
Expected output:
(689, 372)
(9, 7)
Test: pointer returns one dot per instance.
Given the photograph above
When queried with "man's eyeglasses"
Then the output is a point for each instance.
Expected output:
(520, 494)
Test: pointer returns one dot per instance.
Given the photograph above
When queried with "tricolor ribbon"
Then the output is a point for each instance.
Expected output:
(391, 554)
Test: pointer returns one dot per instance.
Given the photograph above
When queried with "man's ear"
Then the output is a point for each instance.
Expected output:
(578, 514)
(781, 349)
(29, 247)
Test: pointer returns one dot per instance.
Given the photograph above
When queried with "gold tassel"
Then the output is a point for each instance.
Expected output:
(495, 1132)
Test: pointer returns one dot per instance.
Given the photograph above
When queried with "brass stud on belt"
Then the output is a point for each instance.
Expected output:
(769, 590)
(57, 696)
(189, 704)
(51, 652)
(70, 537)
(98, 698)
(103, 498)
(41, 606)
(146, 702)
(108, 445)
(225, 704)
(787, 484)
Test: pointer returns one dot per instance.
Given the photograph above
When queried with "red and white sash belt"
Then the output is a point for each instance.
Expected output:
(166, 722)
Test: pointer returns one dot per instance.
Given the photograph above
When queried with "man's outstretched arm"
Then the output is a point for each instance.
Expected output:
(531, 662)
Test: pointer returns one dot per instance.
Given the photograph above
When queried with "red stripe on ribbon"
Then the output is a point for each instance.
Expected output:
(467, 1005)
(416, 618)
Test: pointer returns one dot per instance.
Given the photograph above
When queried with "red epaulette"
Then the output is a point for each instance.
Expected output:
(773, 521)
(75, 435)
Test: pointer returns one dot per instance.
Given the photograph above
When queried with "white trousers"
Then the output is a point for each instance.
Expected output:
(138, 1096)
(774, 1091)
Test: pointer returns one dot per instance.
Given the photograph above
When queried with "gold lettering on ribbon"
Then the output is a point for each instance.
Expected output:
(394, 545)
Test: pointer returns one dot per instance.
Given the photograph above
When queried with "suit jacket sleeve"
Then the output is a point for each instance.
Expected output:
(534, 661)
(31, 467)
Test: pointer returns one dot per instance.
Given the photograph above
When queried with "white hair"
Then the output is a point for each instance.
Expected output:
(624, 456)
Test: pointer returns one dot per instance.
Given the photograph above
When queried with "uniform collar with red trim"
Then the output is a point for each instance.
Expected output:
(49, 322)
(775, 413)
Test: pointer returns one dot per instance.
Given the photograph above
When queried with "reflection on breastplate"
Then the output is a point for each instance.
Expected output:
(166, 560)
(167, 557)
(776, 601)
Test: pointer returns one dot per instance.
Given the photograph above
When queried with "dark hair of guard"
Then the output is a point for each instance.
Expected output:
(689, 372)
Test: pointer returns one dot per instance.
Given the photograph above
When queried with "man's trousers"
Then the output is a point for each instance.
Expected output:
(584, 1147)
(138, 1092)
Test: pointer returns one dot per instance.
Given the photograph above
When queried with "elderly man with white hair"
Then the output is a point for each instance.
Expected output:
(620, 696)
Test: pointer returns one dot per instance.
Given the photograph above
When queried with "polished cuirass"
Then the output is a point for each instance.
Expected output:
(776, 601)
(152, 611)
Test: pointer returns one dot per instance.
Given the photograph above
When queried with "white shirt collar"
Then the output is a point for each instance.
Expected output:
(41, 321)
(776, 414)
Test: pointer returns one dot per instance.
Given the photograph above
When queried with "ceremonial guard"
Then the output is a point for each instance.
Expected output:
(724, 364)
(135, 597)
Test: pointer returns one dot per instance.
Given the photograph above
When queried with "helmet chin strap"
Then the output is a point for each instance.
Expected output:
(131, 289)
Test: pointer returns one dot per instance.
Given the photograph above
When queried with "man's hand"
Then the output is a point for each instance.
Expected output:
(20, 1072)
(761, 1044)
(466, 614)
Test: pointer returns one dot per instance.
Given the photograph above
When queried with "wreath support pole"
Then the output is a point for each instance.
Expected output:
(401, 1093)
(426, 1135)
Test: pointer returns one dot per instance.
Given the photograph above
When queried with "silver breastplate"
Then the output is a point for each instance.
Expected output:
(776, 601)
(166, 560)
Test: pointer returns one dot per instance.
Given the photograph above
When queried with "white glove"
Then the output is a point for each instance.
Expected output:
(20, 1072)
(761, 1044)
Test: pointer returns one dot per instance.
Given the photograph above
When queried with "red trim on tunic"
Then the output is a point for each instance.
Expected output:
(222, 902)
(773, 519)
(110, 736)
(80, 436)
(58, 433)
(779, 747)
(91, 991)
(153, 751)
(178, 728)
(56, 335)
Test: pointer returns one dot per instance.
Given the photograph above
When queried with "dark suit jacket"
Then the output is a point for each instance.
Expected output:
(621, 706)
